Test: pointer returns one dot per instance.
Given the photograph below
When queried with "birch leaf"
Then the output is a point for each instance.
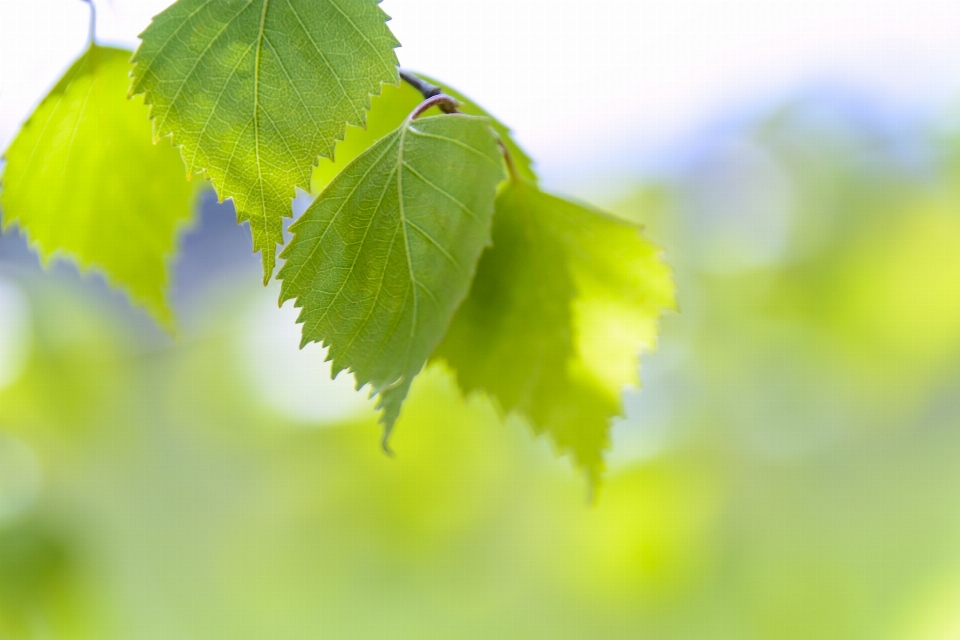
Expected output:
(254, 91)
(380, 262)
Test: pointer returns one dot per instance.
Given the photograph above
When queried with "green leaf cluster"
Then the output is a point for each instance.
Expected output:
(430, 238)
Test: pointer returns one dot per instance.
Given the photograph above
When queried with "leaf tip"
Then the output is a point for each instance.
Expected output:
(385, 441)
(269, 264)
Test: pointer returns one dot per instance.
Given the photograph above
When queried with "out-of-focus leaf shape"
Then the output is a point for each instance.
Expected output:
(388, 111)
(560, 307)
(83, 180)
(380, 262)
(38, 582)
(253, 92)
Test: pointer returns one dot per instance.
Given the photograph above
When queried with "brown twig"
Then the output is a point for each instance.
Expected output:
(428, 90)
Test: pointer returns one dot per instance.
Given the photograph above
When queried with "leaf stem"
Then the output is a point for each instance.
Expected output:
(92, 29)
(508, 159)
(434, 96)
(445, 102)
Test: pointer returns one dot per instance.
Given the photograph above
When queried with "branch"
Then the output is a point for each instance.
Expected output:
(428, 90)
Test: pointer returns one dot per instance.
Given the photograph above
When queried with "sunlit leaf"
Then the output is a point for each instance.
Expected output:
(84, 181)
(560, 307)
(253, 92)
(383, 257)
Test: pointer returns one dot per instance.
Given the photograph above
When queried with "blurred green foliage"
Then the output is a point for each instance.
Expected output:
(791, 470)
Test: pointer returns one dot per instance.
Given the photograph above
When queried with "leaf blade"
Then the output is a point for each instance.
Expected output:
(560, 307)
(83, 180)
(254, 93)
(381, 260)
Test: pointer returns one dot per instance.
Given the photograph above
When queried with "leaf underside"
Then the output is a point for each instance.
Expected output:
(383, 257)
(83, 179)
(255, 91)
(561, 305)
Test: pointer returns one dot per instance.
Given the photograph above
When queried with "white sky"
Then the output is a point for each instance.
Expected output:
(587, 84)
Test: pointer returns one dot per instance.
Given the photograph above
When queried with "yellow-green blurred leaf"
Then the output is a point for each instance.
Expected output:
(560, 307)
(83, 180)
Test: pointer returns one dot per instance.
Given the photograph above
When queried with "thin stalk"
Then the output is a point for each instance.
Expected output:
(445, 102)
(92, 29)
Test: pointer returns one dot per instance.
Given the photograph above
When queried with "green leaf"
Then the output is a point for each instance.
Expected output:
(383, 257)
(560, 307)
(84, 180)
(254, 91)
(388, 111)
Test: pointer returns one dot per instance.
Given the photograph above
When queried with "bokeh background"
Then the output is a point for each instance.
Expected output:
(790, 470)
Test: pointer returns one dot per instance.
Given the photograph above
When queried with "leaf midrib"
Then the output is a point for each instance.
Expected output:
(256, 121)
(406, 239)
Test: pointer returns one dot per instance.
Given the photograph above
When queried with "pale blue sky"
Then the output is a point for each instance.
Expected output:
(587, 84)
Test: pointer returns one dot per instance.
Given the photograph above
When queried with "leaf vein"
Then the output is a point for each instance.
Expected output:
(296, 274)
(433, 241)
(357, 113)
(403, 221)
(362, 34)
(450, 196)
(376, 298)
(183, 24)
(424, 134)
(356, 258)
(216, 103)
(196, 63)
